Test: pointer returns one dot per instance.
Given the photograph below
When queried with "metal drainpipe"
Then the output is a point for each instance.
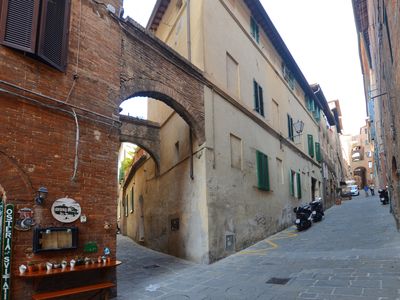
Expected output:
(191, 153)
(189, 44)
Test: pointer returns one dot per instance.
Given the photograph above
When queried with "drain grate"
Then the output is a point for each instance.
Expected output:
(151, 267)
(275, 280)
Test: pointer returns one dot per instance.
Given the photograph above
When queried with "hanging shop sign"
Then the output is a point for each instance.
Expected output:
(25, 220)
(66, 210)
(6, 262)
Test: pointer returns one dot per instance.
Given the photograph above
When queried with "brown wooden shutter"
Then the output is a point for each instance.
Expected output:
(18, 24)
(53, 36)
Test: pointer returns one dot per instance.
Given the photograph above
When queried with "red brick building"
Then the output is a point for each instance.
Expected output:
(59, 93)
(378, 33)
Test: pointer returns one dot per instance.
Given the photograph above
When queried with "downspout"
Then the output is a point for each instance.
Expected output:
(189, 42)
(191, 153)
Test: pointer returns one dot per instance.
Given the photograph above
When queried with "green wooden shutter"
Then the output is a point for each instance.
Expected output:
(298, 186)
(318, 152)
(262, 171)
(260, 100)
(310, 145)
(291, 183)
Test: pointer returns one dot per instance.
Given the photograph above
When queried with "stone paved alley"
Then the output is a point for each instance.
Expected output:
(352, 254)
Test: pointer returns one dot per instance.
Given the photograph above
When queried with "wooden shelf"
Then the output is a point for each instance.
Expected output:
(68, 269)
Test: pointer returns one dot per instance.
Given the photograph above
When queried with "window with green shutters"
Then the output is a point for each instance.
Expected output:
(258, 98)
(290, 127)
(318, 152)
(295, 184)
(262, 171)
(254, 29)
(310, 145)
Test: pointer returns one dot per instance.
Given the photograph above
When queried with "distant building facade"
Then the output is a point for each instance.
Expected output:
(361, 153)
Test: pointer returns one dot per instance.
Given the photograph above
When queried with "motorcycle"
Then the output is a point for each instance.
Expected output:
(303, 217)
(317, 211)
(383, 196)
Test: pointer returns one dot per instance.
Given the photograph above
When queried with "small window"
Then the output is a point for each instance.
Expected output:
(39, 27)
(236, 152)
(279, 168)
(232, 75)
(262, 171)
(126, 205)
(288, 76)
(254, 29)
(258, 98)
(177, 151)
(132, 201)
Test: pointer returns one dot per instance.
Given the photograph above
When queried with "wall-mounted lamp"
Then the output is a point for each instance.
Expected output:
(41, 195)
(298, 127)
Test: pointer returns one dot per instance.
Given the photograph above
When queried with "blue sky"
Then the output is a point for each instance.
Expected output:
(322, 38)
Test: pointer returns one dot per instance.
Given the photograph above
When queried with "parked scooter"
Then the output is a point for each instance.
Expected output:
(383, 196)
(317, 210)
(303, 217)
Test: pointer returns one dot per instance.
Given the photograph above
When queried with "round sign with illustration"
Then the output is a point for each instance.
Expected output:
(66, 210)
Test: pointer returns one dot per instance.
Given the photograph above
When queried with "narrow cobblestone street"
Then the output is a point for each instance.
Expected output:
(352, 254)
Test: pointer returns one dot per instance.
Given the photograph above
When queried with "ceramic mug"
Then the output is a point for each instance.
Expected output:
(72, 263)
(49, 266)
(63, 264)
(22, 269)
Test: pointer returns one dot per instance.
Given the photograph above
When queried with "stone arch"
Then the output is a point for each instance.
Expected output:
(360, 174)
(14, 180)
(190, 109)
(144, 133)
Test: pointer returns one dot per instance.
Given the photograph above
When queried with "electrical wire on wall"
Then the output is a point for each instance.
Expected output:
(76, 146)
(75, 78)
(76, 75)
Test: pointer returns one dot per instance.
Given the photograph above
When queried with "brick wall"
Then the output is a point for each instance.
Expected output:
(37, 142)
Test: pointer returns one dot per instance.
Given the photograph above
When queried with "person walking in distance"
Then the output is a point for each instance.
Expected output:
(366, 190)
(372, 189)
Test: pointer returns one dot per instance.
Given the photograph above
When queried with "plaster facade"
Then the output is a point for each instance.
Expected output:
(212, 188)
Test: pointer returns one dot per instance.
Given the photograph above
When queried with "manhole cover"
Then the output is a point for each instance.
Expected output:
(275, 280)
(151, 267)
